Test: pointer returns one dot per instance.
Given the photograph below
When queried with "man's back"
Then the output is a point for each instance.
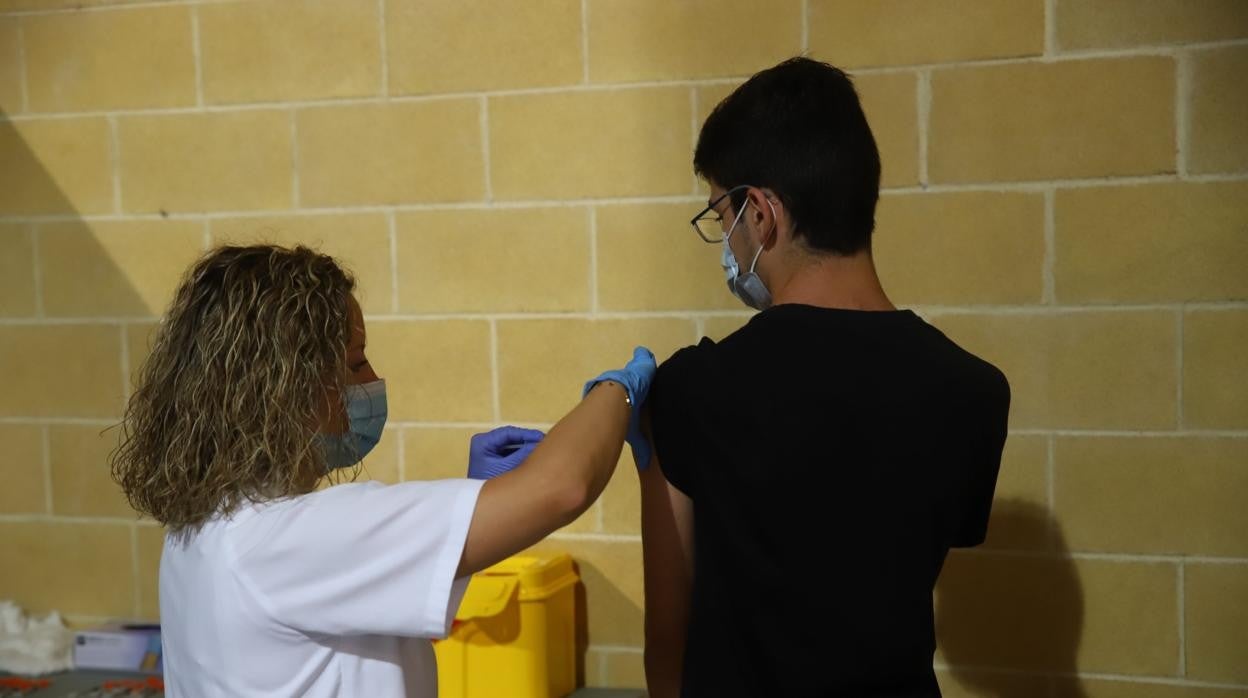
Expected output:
(833, 457)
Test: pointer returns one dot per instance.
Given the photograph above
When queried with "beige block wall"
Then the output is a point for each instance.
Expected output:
(1065, 188)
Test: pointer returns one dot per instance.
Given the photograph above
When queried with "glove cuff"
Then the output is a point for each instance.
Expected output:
(606, 378)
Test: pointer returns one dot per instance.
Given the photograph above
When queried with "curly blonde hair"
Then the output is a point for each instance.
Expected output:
(227, 405)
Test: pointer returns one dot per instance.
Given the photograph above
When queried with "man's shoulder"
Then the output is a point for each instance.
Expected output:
(697, 357)
(685, 374)
(961, 359)
(976, 376)
(689, 362)
(980, 372)
(688, 357)
(676, 372)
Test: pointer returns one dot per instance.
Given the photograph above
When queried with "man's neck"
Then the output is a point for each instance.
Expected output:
(830, 281)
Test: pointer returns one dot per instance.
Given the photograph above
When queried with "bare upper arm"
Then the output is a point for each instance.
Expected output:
(667, 549)
(667, 518)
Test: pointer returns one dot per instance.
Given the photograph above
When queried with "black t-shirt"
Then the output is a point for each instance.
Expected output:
(833, 457)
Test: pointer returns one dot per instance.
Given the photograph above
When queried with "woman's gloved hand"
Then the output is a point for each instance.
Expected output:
(495, 452)
(636, 377)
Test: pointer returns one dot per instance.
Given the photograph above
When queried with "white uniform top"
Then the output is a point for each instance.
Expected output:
(333, 593)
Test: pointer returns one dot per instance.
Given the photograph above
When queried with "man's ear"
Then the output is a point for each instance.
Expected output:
(763, 220)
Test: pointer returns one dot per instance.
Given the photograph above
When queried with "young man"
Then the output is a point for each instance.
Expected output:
(812, 470)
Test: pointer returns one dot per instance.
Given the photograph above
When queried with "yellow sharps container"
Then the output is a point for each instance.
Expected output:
(515, 632)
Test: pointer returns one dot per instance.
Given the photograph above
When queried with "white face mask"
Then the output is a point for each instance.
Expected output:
(747, 287)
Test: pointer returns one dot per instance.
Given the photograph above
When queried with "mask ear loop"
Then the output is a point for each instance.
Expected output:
(774, 223)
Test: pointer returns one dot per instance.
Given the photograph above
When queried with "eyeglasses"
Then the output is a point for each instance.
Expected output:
(708, 224)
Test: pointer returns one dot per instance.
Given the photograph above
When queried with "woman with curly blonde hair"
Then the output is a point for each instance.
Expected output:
(256, 390)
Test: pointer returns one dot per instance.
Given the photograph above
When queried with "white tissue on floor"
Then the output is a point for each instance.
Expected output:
(33, 646)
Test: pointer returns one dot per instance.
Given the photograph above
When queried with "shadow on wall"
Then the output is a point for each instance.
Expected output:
(61, 297)
(608, 597)
(605, 614)
(1007, 623)
(54, 173)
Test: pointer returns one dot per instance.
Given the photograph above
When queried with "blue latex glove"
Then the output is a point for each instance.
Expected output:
(636, 377)
(495, 452)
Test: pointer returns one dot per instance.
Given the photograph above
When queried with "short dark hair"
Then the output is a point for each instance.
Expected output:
(799, 130)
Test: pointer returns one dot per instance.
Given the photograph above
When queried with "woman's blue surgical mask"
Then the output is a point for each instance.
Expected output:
(748, 287)
(366, 415)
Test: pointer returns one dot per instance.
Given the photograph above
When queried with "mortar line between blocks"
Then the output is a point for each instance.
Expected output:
(383, 48)
(1098, 676)
(58, 421)
(616, 649)
(1041, 185)
(596, 537)
(125, 364)
(75, 619)
(1153, 50)
(585, 42)
(45, 437)
(294, 160)
(1052, 536)
(924, 105)
(376, 100)
(1141, 558)
(1178, 360)
(396, 423)
(1182, 584)
(929, 312)
(1182, 88)
(392, 234)
(1075, 308)
(361, 208)
(1051, 472)
(594, 309)
(1030, 186)
(1129, 434)
(693, 134)
(135, 589)
(37, 272)
(534, 315)
(520, 204)
(1050, 28)
(196, 53)
(1049, 282)
(484, 118)
(805, 27)
(22, 81)
(55, 519)
(496, 396)
(80, 8)
(114, 144)
(480, 426)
